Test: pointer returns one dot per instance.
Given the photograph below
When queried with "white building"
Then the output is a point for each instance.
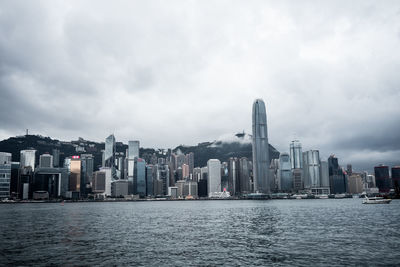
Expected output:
(28, 159)
(214, 176)
(107, 170)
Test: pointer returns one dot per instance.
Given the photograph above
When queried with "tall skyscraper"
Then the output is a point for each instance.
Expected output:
(296, 155)
(185, 171)
(28, 158)
(214, 176)
(75, 174)
(260, 147)
(233, 176)
(109, 152)
(133, 149)
(244, 175)
(285, 172)
(139, 177)
(312, 169)
(396, 179)
(382, 178)
(337, 179)
(5, 174)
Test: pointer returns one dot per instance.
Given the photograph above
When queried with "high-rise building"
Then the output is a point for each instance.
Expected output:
(355, 184)
(5, 174)
(214, 176)
(87, 161)
(56, 157)
(312, 168)
(108, 180)
(46, 161)
(396, 179)
(324, 174)
(189, 160)
(196, 174)
(163, 176)
(297, 175)
(382, 178)
(244, 175)
(28, 158)
(75, 174)
(99, 182)
(119, 188)
(185, 171)
(109, 152)
(296, 155)
(260, 147)
(139, 178)
(52, 180)
(133, 149)
(285, 173)
(149, 180)
(337, 179)
(233, 176)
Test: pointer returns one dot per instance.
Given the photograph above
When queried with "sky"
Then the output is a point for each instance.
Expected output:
(183, 72)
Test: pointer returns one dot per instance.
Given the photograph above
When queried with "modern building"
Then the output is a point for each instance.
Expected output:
(189, 160)
(244, 175)
(28, 158)
(119, 188)
(149, 180)
(382, 178)
(296, 159)
(311, 169)
(75, 174)
(396, 179)
(56, 157)
(133, 149)
(324, 174)
(109, 152)
(196, 174)
(214, 176)
(54, 181)
(260, 147)
(163, 175)
(285, 173)
(185, 171)
(87, 162)
(108, 180)
(46, 161)
(5, 174)
(297, 175)
(139, 178)
(99, 182)
(355, 184)
(337, 179)
(233, 176)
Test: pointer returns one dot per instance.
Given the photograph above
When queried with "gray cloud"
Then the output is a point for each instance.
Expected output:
(184, 72)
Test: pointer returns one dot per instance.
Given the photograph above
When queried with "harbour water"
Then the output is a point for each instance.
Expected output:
(327, 232)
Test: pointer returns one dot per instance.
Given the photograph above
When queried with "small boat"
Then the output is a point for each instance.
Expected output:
(376, 200)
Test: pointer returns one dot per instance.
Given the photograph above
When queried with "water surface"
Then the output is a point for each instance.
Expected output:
(277, 232)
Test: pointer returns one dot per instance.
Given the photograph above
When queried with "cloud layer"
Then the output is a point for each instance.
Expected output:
(183, 72)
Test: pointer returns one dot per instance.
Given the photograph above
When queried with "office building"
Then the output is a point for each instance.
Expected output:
(285, 173)
(46, 161)
(296, 159)
(56, 157)
(139, 178)
(382, 178)
(119, 188)
(5, 174)
(244, 176)
(311, 169)
(133, 149)
(233, 176)
(28, 159)
(337, 179)
(163, 176)
(109, 152)
(108, 180)
(185, 171)
(75, 174)
(260, 147)
(396, 179)
(99, 182)
(214, 176)
(355, 184)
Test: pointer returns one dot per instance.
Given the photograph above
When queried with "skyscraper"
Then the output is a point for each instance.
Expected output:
(5, 174)
(133, 149)
(139, 177)
(285, 174)
(296, 155)
(109, 152)
(382, 178)
(214, 176)
(337, 179)
(75, 174)
(312, 169)
(27, 158)
(260, 147)
(396, 179)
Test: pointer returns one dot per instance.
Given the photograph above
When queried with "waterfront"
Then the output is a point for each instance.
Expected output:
(158, 233)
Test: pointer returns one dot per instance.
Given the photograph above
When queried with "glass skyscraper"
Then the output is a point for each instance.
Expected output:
(109, 152)
(260, 147)
(285, 172)
(5, 174)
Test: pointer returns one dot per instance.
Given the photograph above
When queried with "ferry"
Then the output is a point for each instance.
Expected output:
(376, 200)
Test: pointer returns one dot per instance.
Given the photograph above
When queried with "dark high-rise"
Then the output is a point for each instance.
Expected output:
(396, 179)
(382, 178)
(337, 179)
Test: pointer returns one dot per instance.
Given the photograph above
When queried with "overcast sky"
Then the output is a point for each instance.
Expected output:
(183, 72)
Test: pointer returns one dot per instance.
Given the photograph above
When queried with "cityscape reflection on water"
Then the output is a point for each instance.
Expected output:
(282, 232)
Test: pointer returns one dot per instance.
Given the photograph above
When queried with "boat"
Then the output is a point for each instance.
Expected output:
(376, 200)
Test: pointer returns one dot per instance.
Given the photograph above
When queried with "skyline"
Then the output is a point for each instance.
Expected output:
(186, 73)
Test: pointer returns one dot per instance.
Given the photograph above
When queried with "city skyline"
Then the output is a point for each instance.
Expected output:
(329, 81)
